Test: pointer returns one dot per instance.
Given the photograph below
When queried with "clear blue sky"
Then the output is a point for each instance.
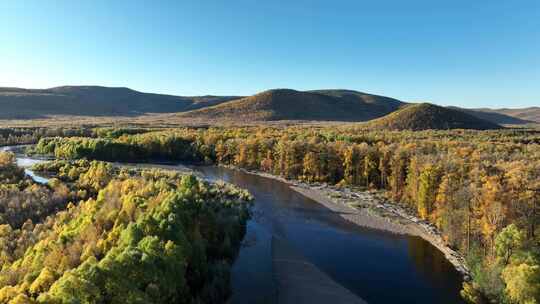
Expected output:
(463, 52)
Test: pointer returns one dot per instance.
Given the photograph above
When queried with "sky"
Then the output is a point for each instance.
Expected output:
(482, 53)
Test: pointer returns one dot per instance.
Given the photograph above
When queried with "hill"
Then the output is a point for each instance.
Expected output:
(286, 104)
(425, 116)
(494, 117)
(526, 115)
(382, 105)
(94, 101)
(272, 105)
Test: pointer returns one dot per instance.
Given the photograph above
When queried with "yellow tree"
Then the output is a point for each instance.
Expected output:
(267, 163)
(427, 190)
(493, 210)
(523, 180)
(221, 152)
(350, 157)
(311, 167)
(522, 283)
(370, 166)
(412, 182)
(398, 167)
(241, 157)
(384, 165)
(449, 214)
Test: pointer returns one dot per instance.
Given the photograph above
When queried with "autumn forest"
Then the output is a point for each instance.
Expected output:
(93, 225)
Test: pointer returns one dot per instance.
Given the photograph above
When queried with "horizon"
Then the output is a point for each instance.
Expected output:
(472, 55)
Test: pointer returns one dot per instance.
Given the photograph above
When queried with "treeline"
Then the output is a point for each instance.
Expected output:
(145, 236)
(31, 135)
(476, 187)
(23, 136)
(117, 132)
(156, 146)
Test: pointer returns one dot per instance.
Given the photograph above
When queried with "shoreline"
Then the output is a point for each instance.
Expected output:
(368, 209)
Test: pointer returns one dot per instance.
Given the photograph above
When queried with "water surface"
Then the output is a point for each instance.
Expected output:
(26, 162)
(379, 267)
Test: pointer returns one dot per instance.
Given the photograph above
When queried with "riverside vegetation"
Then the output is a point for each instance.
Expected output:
(30, 135)
(96, 234)
(481, 189)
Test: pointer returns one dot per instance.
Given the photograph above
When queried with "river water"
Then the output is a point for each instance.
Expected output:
(26, 162)
(379, 267)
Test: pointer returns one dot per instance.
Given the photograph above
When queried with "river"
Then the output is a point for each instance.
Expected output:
(378, 266)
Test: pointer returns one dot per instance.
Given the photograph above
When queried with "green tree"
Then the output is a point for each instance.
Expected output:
(508, 241)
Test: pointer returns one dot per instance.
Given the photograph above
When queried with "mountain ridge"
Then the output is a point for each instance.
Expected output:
(275, 104)
(20, 103)
(527, 114)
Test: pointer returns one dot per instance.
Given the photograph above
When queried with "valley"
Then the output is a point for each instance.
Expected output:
(269, 152)
(434, 177)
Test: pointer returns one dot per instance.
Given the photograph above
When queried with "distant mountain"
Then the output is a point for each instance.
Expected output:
(425, 116)
(493, 116)
(94, 101)
(286, 104)
(272, 105)
(521, 116)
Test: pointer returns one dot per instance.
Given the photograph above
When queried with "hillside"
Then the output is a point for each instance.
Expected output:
(272, 105)
(380, 104)
(427, 116)
(527, 115)
(286, 104)
(94, 101)
(494, 117)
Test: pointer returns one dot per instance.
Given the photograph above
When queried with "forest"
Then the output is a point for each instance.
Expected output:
(480, 188)
(100, 234)
(30, 135)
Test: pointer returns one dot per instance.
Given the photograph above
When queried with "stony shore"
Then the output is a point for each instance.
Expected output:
(372, 210)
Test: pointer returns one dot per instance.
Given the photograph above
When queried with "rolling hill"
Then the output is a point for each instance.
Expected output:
(425, 116)
(381, 104)
(286, 104)
(19, 103)
(494, 117)
(525, 115)
(271, 105)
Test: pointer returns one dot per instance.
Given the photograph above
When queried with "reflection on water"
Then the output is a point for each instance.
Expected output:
(36, 178)
(26, 162)
(432, 266)
(380, 267)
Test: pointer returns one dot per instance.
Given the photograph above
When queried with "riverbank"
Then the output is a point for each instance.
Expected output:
(370, 209)
(363, 208)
